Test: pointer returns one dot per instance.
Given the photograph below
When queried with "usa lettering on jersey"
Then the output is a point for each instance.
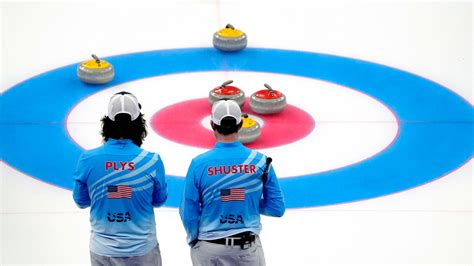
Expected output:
(119, 217)
(231, 169)
(231, 219)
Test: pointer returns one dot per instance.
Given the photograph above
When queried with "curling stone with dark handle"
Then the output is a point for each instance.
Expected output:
(225, 91)
(95, 71)
(250, 131)
(229, 39)
(268, 101)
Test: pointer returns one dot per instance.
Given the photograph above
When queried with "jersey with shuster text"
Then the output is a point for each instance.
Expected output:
(223, 193)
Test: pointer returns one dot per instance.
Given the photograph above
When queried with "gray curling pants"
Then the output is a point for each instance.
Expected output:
(210, 254)
(153, 257)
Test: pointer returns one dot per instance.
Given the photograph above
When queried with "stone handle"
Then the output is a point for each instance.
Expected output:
(269, 89)
(226, 83)
(97, 60)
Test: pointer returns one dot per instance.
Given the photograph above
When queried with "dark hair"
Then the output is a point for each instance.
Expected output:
(123, 128)
(228, 126)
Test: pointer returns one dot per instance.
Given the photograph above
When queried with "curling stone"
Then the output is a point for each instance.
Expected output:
(227, 92)
(95, 71)
(267, 101)
(229, 39)
(250, 130)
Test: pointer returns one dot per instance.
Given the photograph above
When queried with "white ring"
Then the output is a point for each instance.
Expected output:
(349, 126)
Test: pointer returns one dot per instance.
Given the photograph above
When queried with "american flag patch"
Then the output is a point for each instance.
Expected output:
(119, 192)
(233, 194)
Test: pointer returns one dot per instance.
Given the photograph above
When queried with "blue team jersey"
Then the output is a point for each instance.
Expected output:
(121, 183)
(224, 195)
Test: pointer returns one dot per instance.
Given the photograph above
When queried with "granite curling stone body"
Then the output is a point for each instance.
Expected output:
(229, 39)
(267, 101)
(226, 92)
(95, 71)
(250, 131)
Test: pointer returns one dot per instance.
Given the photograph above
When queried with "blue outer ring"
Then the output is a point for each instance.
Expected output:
(435, 137)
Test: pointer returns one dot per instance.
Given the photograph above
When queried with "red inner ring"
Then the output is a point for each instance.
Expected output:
(181, 123)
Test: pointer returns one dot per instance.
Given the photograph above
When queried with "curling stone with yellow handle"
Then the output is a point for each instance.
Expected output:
(250, 131)
(229, 39)
(267, 101)
(225, 91)
(95, 71)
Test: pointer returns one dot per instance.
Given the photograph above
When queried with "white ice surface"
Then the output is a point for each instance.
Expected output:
(431, 224)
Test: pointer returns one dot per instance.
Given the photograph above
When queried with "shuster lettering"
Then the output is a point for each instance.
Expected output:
(231, 169)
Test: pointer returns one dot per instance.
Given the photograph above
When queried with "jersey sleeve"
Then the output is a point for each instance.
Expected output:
(160, 190)
(80, 192)
(272, 202)
(190, 208)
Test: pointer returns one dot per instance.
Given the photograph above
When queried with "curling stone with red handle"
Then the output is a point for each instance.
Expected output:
(95, 71)
(229, 39)
(267, 101)
(227, 92)
(250, 131)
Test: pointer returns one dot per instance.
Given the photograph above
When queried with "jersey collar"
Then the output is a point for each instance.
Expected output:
(111, 141)
(228, 144)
